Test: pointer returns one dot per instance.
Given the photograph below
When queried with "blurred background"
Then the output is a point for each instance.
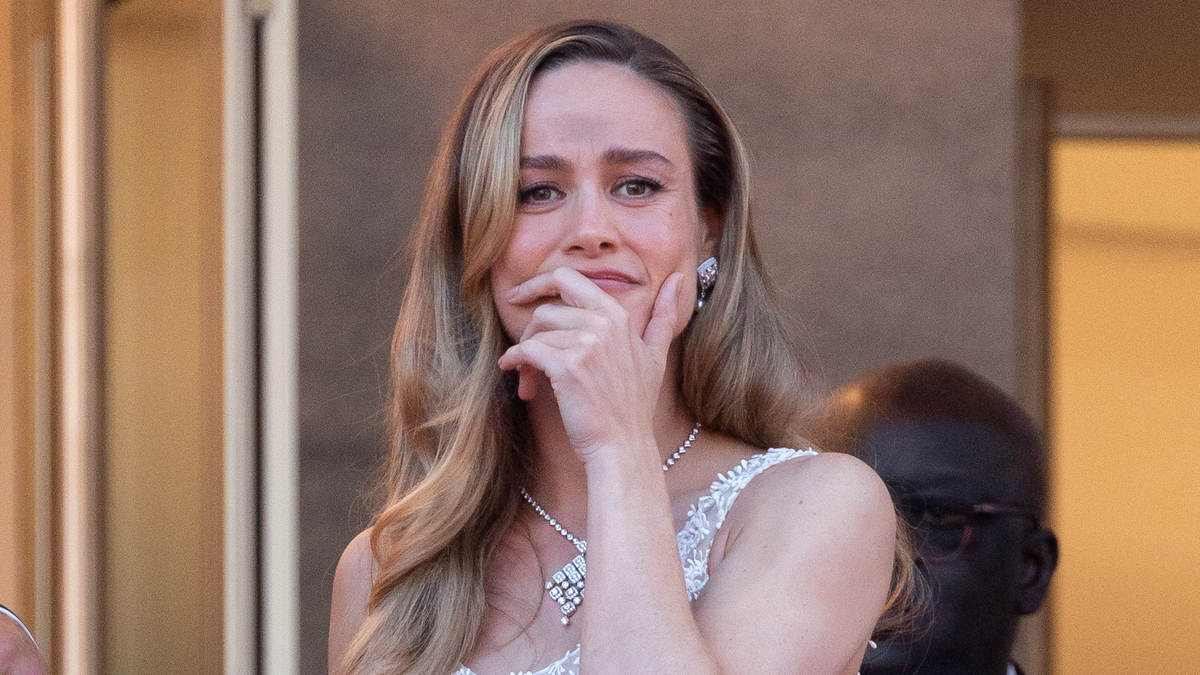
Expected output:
(206, 201)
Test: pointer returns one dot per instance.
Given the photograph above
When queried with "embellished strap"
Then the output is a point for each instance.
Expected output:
(707, 515)
(567, 665)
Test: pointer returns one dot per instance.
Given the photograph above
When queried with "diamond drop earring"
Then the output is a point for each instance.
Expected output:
(706, 278)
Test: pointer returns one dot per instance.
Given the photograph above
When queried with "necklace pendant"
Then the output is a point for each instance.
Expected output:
(566, 587)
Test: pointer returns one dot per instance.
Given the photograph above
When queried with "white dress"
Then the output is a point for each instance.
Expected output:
(695, 539)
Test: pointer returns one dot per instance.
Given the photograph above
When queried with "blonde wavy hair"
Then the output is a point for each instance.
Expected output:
(459, 448)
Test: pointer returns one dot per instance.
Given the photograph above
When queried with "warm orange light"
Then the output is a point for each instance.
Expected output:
(1126, 404)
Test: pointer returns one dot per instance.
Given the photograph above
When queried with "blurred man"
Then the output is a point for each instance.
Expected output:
(967, 468)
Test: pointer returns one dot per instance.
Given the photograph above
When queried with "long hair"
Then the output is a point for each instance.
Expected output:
(459, 449)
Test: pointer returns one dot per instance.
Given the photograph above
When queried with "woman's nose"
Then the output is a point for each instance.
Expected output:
(592, 227)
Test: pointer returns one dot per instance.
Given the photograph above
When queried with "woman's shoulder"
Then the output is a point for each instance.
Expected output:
(833, 475)
(777, 473)
(356, 572)
(357, 564)
(802, 493)
(810, 544)
(824, 479)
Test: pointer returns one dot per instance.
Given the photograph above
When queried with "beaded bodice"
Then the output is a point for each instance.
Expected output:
(695, 539)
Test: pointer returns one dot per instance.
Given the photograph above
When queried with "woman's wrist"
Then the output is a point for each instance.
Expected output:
(621, 463)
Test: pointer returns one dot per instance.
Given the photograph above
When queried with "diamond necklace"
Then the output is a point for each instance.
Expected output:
(566, 586)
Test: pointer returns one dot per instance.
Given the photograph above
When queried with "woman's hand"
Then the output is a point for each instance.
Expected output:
(605, 371)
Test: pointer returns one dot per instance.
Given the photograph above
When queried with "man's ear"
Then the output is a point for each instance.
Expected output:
(714, 227)
(1040, 558)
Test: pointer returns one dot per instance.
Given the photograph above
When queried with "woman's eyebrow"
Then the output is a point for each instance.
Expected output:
(545, 162)
(619, 156)
(634, 156)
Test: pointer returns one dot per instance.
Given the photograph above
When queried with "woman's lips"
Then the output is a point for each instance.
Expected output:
(610, 280)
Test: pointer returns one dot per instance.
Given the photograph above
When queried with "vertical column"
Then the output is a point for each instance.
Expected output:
(240, 343)
(280, 466)
(1031, 649)
(80, 328)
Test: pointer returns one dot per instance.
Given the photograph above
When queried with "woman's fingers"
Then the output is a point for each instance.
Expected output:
(661, 329)
(550, 353)
(544, 346)
(561, 317)
(526, 383)
(528, 359)
(568, 284)
(585, 346)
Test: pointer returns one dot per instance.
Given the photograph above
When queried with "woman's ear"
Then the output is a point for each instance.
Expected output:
(714, 227)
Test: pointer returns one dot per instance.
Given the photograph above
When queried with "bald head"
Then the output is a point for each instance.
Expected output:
(936, 393)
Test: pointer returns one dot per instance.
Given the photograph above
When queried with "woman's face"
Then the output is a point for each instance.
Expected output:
(606, 188)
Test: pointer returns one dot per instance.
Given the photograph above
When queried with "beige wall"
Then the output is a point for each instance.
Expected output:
(162, 577)
(1126, 396)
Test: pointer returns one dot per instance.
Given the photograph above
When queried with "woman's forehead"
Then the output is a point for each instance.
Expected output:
(602, 107)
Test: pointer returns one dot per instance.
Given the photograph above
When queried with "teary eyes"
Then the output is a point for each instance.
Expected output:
(544, 193)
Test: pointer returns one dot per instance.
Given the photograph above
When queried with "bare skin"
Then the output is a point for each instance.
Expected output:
(18, 654)
(595, 288)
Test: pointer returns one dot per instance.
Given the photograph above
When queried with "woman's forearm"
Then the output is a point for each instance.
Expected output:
(637, 616)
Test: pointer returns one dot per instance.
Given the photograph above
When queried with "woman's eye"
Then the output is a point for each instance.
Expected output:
(637, 188)
(538, 194)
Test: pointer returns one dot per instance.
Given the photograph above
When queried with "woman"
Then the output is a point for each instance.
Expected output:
(571, 374)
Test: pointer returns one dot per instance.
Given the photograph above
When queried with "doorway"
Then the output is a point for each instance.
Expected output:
(1125, 402)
